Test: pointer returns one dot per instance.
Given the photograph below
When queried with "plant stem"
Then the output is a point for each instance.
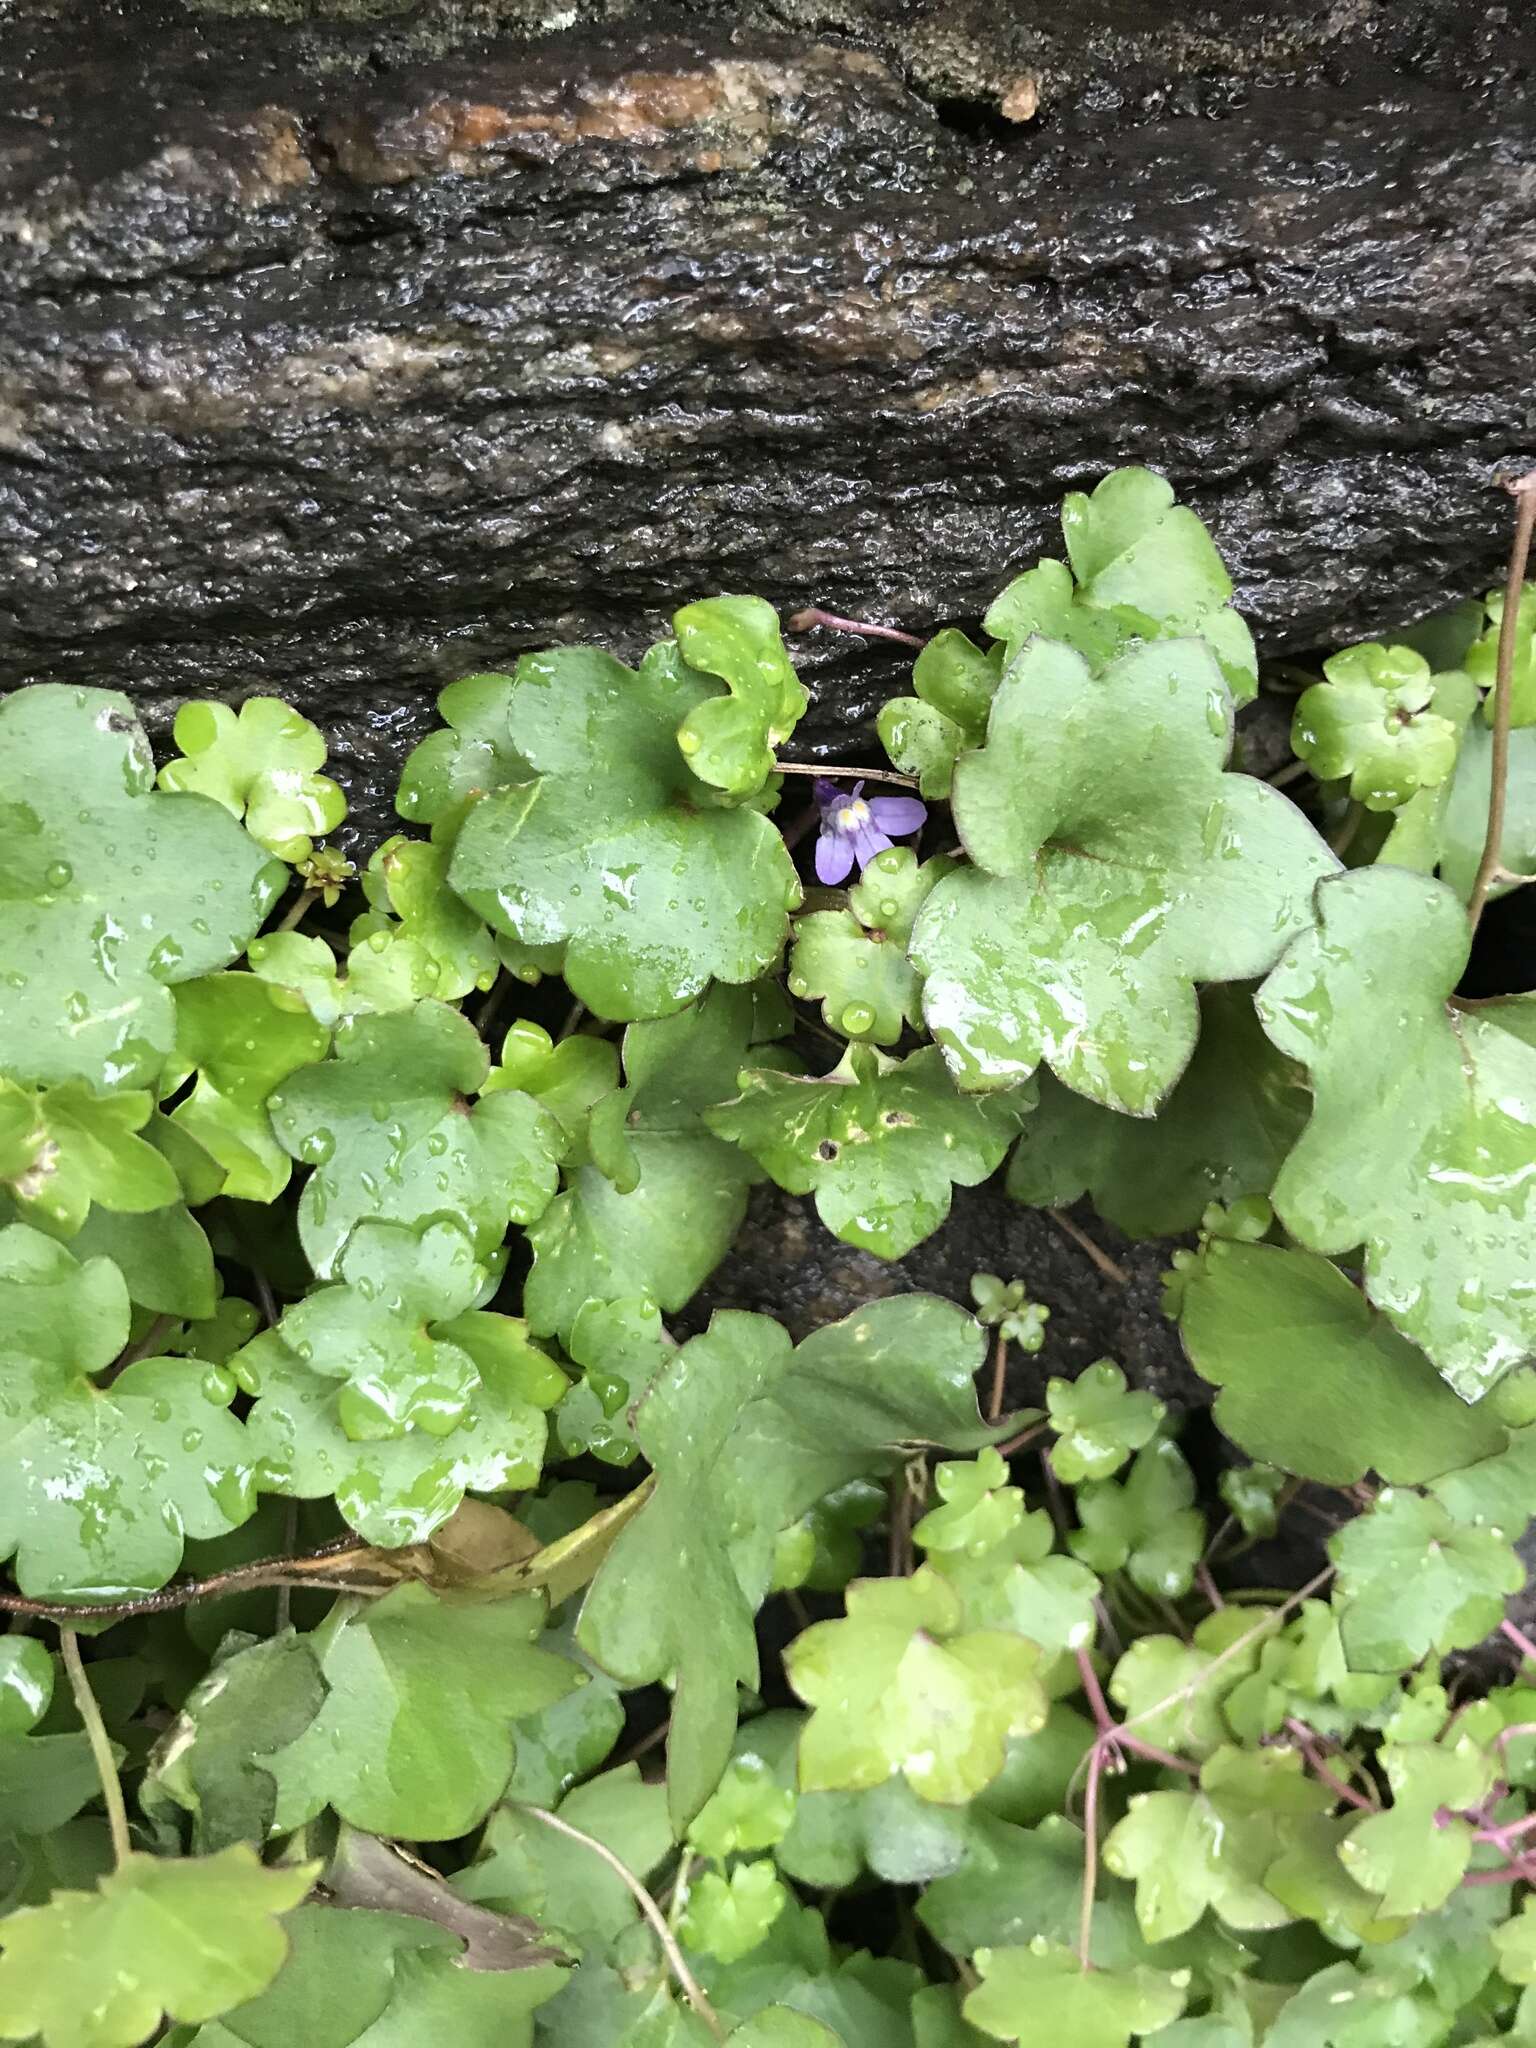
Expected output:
(1080, 1237)
(101, 1747)
(296, 911)
(688, 1983)
(1090, 1856)
(813, 615)
(1302, 1736)
(316, 1568)
(1520, 1639)
(999, 1375)
(831, 772)
(1523, 489)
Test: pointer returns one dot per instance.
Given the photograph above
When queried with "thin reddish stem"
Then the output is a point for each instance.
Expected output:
(813, 615)
(1302, 1736)
(1521, 1641)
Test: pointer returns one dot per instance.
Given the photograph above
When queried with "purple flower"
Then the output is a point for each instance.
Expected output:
(854, 828)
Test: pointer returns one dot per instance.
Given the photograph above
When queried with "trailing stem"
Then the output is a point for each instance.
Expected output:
(1489, 868)
(691, 1989)
(101, 1747)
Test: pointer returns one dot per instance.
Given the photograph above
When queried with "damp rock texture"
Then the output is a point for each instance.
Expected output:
(345, 349)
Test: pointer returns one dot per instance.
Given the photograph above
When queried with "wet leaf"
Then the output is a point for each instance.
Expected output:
(473, 755)
(1099, 1421)
(1460, 1576)
(901, 1686)
(881, 1143)
(854, 961)
(390, 1133)
(44, 1779)
(729, 1916)
(414, 1738)
(1374, 722)
(1233, 1115)
(99, 1486)
(188, 1938)
(659, 1235)
(113, 891)
(410, 878)
(384, 972)
(1110, 877)
(1412, 1857)
(1482, 658)
(403, 1417)
(1421, 1134)
(612, 852)
(1146, 1524)
(210, 1760)
(728, 741)
(1043, 1992)
(260, 763)
(1312, 1379)
(241, 1040)
(955, 684)
(77, 1147)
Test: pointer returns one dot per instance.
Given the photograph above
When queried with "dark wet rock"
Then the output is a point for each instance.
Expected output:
(346, 348)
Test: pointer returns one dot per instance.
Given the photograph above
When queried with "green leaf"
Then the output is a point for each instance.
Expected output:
(748, 1810)
(1172, 1691)
(242, 1040)
(1151, 564)
(163, 1255)
(612, 852)
(621, 1347)
(1482, 660)
(317, 1435)
(1189, 1850)
(1312, 1379)
(881, 1143)
(373, 1331)
(728, 741)
(660, 1237)
(568, 1079)
(1222, 1134)
(340, 1976)
(473, 756)
(854, 961)
(900, 1686)
(99, 1486)
(1413, 1856)
(260, 763)
(210, 1760)
(1372, 722)
(1459, 1574)
(410, 878)
(692, 1624)
(389, 1132)
(955, 683)
(728, 1917)
(1098, 1422)
(1420, 1139)
(186, 1938)
(79, 1148)
(1117, 866)
(998, 1559)
(1515, 1942)
(44, 1779)
(384, 972)
(414, 1738)
(1499, 1488)
(92, 935)
(1146, 1525)
(1454, 831)
(526, 1867)
(1043, 1993)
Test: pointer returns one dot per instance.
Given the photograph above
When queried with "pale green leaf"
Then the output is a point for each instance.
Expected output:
(261, 764)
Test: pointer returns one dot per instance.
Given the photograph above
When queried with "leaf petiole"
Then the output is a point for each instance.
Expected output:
(101, 1746)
